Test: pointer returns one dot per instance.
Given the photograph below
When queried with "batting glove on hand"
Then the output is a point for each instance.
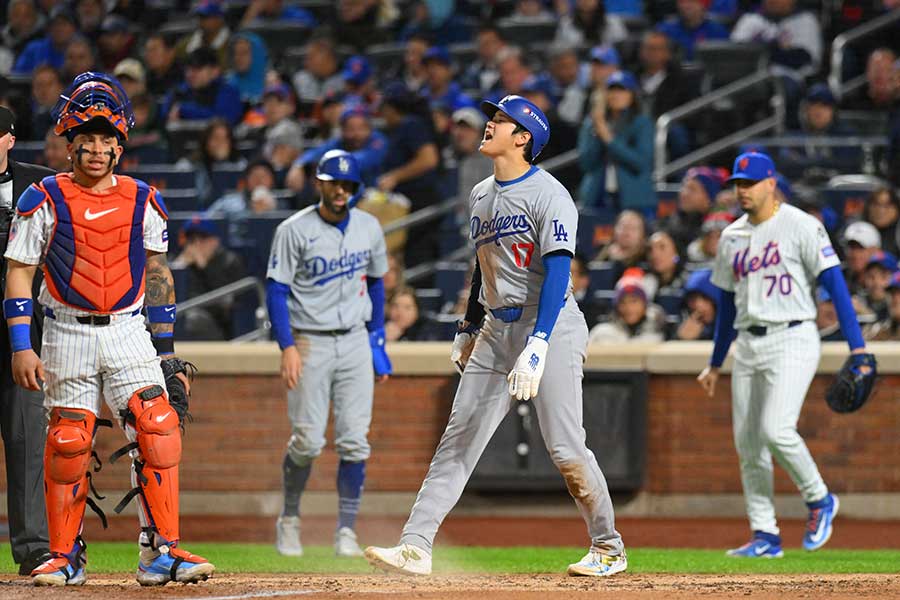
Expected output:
(463, 344)
(526, 375)
(380, 361)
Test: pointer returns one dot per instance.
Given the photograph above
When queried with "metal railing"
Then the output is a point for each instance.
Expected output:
(663, 168)
(233, 289)
(835, 81)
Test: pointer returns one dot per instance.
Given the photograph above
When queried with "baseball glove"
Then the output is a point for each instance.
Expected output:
(178, 395)
(851, 387)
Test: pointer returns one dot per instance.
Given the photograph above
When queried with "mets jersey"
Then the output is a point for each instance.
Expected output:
(772, 267)
(326, 268)
(513, 224)
(92, 245)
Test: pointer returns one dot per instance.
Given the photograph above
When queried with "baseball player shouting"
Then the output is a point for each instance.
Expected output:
(767, 266)
(531, 344)
(101, 240)
(324, 291)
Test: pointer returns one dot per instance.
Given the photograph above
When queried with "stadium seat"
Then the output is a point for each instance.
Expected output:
(30, 152)
(293, 59)
(177, 220)
(430, 300)
(463, 54)
(603, 299)
(450, 277)
(183, 137)
(727, 61)
(251, 237)
(603, 275)
(225, 179)
(165, 176)
(149, 155)
(280, 36)
(182, 200)
(385, 57)
(670, 302)
(524, 34)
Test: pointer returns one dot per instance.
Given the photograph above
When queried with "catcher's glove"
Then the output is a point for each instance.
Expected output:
(851, 387)
(178, 395)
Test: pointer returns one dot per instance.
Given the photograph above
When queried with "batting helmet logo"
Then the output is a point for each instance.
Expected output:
(343, 165)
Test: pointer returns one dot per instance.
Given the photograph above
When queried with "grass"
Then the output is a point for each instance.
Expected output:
(121, 557)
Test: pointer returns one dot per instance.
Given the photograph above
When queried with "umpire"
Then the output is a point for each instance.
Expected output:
(22, 418)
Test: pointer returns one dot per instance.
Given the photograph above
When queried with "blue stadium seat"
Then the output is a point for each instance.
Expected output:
(182, 200)
(593, 223)
(603, 275)
(225, 179)
(604, 301)
(670, 302)
(251, 237)
(430, 300)
(163, 176)
(178, 219)
(29, 152)
(450, 278)
(147, 155)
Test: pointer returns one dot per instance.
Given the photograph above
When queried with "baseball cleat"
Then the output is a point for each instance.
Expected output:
(345, 544)
(287, 536)
(174, 564)
(404, 558)
(820, 521)
(763, 545)
(58, 571)
(597, 564)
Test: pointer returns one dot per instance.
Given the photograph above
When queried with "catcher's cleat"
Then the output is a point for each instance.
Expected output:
(405, 558)
(763, 545)
(58, 571)
(173, 564)
(819, 523)
(345, 544)
(597, 564)
(287, 536)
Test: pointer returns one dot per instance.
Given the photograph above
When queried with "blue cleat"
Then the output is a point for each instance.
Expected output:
(819, 523)
(763, 545)
(62, 569)
(173, 564)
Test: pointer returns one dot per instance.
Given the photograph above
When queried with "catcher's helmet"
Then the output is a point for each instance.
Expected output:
(526, 114)
(338, 165)
(93, 96)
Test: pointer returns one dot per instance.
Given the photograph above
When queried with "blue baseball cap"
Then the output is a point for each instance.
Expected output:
(438, 53)
(606, 55)
(752, 166)
(357, 70)
(208, 8)
(883, 259)
(700, 282)
(821, 94)
(356, 110)
(281, 90)
(895, 281)
(200, 224)
(622, 79)
(540, 84)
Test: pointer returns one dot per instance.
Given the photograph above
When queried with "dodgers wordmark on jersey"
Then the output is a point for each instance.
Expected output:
(513, 224)
(326, 268)
(772, 267)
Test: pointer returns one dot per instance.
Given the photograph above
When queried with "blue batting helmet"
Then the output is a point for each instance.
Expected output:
(526, 114)
(338, 165)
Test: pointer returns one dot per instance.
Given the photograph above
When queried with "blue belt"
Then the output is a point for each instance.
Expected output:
(89, 319)
(507, 314)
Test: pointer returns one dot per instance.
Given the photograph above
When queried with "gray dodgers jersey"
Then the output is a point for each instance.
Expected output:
(326, 269)
(513, 225)
(772, 267)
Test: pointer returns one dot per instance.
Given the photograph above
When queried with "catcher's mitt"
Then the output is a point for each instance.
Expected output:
(851, 387)
(178, 395)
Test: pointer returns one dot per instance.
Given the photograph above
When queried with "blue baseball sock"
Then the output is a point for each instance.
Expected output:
(350, 478)
(295, 478)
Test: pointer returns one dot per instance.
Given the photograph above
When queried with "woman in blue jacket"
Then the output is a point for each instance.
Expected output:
(615, 147)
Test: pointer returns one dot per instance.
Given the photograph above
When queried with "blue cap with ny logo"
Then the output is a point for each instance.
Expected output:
(752, 166)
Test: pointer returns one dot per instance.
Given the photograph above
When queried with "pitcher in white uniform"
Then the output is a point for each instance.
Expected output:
(768, 264)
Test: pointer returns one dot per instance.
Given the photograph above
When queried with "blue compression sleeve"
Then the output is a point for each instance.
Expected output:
(553, 293)
(276, 302)
(833, 281)
(376, 295)
(724, 328)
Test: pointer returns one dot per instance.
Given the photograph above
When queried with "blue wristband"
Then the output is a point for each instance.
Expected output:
(20, 337)
(18, 307)
(161, 314)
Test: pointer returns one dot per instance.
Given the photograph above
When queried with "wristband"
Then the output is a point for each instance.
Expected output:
(164, 343)
(20, 337)
(18, 307)
(161, 314)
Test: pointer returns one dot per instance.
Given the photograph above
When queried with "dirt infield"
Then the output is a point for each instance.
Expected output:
(499, 587)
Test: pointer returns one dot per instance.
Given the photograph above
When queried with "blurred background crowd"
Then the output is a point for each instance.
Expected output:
(236, 101)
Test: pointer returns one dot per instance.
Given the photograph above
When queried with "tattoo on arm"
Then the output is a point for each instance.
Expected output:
(159, 289)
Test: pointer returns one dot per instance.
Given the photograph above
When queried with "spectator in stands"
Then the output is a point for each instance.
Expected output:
(585, 22)
(826, 318)
(570, 95)
(254, 197)
(249, 63)
(889, 329)
(115, 42)
(702, 251)
(358, 137)
(604, 62)
(876, 279)
(483, 74)
(412, 70)
(24, 24)
(634, 318)
(441, 88)
(205, 93)
(320, 74)
(404, 322)
(359, 82)
(55, 154)
(540, 90)
(361, 23)
(90, 15)
(48, 50)
(692, 25)
(615, 148)
(216, 149)
(393, 278)
(284, 143)
(210, 266)
(163, 71)
(514, 73)
(699, 188)
(581, 291)
(467, 131)
(629, 244)
(883, 211)
(438, 20)
(212, 32)
(279, 108)
(881, 90)
(46, 86)
(262, 12)
(701, 298)
(529, 11)
(860, 241)
(131, 74)
(79, 57)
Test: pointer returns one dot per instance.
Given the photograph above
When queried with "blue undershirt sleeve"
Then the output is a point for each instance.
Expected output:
(833, 280)
(376, 295)
(553, 292)
(276, 303)
(724, 333)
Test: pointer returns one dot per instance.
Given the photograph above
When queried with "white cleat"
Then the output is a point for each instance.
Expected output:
(345, 544)
(287, 536)
(404, 558)
(597, 564)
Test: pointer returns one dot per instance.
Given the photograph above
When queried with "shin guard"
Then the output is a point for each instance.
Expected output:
(67, 456)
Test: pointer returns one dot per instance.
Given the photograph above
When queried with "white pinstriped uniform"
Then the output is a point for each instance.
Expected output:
(84, 363)
(772, 268)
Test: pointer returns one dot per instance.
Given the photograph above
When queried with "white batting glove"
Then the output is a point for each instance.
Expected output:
(462, 347)
(526, 375)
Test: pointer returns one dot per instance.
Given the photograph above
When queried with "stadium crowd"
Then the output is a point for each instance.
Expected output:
(235, 102)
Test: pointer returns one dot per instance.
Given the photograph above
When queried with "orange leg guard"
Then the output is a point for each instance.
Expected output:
(159, 442)
(67, 456)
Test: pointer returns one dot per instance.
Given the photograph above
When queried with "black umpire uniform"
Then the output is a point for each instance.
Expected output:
(23, 422)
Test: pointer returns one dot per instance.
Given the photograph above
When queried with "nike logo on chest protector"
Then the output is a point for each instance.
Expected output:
(90, 216)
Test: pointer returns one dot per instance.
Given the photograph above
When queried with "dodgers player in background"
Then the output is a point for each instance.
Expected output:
(767, 266)
(324, 291)
(531, 344)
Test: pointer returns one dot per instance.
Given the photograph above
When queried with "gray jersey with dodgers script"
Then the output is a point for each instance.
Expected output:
(326, 268)
(513, 224)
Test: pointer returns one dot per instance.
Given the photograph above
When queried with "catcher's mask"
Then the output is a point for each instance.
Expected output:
(95, 98)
